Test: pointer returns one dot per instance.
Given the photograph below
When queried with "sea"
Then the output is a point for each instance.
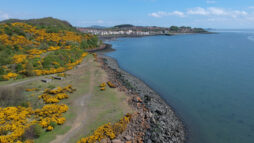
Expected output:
(208, 79)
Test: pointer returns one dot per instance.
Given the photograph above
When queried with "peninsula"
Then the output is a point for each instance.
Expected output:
(55, 88)
(128, 30)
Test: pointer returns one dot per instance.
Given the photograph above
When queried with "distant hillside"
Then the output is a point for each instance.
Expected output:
(128, 30)
(49, 23)
(171, 29)
(124, 26)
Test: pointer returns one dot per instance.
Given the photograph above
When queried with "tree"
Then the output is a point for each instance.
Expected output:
(174, 28)
(33, 132)
(84, 44)
(29, 69)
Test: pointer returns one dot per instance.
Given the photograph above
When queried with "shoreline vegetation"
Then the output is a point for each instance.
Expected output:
(48, 48)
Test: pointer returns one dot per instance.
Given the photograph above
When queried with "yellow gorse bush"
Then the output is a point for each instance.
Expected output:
(52, 48)
(107, 131)
(9, 76)
(51, 113)
(36, 52)
(57, 94)
(103, 84)
(111, 85)
(15, 120)
(36, 45)
(31, 89)
(19, 58)
(60, 69)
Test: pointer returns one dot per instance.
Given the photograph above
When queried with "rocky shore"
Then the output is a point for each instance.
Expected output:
(157, 122)
(104, 47)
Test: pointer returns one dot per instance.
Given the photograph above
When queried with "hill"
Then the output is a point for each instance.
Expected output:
(49, 23)
(40, 46)
(124, 26)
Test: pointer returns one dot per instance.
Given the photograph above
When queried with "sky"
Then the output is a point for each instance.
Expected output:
(237, 14)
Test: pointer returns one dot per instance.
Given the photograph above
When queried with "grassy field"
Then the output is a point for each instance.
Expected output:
(103, 106)
(89, 107)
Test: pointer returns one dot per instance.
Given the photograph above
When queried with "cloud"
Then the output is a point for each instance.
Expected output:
(197, 11)
(210, 1)
(163, 14)
(212, 16)
(214, 11)
(4, 15)
(100, 21)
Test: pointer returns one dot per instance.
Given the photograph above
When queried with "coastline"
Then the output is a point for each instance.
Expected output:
(104, 47)
(164, 124)
(114, 37)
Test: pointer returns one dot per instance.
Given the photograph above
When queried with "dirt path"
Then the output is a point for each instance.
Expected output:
(80, 104)
(21, 82)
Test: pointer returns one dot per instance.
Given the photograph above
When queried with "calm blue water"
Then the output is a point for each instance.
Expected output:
(208, 79)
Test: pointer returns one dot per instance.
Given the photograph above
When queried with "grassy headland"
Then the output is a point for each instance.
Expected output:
(40, 47)
(61, 110)
(85, 99)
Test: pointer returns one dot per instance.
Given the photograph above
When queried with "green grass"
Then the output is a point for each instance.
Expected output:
(46, 137)
(82, 86)
(2, 83)
(104, 106)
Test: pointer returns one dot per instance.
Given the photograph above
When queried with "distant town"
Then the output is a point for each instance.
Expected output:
(131, 30)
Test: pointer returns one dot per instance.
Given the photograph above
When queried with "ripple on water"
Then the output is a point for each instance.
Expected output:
(251, 38)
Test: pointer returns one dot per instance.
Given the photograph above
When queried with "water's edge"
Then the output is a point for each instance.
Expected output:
(165, 125)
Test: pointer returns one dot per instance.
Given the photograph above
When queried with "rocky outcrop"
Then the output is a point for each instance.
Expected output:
(163, 126)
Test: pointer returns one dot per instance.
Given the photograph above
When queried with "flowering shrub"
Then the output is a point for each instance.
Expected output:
(9, 76)
(50, 128)
(57, 94)
(52, 48)
(31, 89)
(51, 113)
(19, 58)
(107, 131)
(103, 86)
(36, 51)
(61, 74)
(111, 85)
(60, 69)
(14, 121)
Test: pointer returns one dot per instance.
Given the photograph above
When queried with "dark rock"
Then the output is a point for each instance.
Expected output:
(165, 127)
